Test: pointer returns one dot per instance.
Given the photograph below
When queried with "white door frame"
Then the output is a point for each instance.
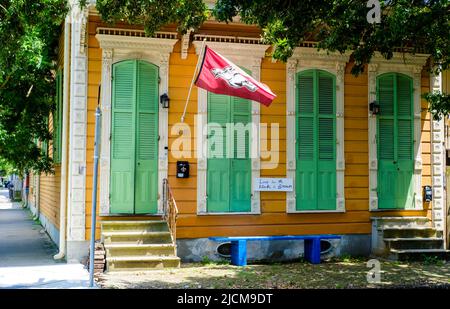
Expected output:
(411, 66)
(125, 44)
(248, 53)
(305, 58)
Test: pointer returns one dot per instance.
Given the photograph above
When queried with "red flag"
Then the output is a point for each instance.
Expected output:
(219, 75)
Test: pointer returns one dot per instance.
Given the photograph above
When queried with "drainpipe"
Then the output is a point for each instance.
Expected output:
(65, 125)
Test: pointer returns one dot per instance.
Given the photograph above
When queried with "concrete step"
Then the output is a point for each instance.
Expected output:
(127, 249)
(145, 225)
(410, 232)
(386, 222)
(137, 237)
(414, 243)
(138, 263)
(419, 254)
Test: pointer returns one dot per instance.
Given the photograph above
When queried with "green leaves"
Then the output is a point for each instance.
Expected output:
(29, 33)
(341, 25)
(439, 104)
(153, 14)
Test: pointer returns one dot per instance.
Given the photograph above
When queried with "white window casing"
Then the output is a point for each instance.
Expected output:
(410, 65)
(249, 56)
(118, 45)
(305, 58)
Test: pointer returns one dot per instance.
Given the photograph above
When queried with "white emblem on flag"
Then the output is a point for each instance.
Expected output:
(233, 78)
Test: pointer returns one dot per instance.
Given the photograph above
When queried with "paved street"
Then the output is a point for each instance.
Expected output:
(26, 253)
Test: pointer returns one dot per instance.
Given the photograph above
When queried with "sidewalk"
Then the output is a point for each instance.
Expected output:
(26, 253)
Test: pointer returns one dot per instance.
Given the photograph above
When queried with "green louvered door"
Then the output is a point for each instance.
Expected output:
(315, 142)
(240, 163)
(134, 138)
(395, 141)
(218, 174)
(229, 168)
(122, 141)
(146, 188)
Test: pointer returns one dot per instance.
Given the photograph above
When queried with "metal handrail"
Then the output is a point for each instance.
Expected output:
(170, 210)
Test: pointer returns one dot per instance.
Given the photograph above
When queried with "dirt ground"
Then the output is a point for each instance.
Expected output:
(343, 273)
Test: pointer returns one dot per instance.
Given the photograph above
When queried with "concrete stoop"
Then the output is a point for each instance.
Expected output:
(406, 238)
(138, 245)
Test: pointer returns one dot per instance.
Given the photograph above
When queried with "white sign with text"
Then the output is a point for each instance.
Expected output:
(274, 184)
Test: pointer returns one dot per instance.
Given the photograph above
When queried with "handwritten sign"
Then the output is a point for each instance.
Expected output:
(273, 184)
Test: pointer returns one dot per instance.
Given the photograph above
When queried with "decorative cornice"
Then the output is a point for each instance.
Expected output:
(128, 42)
(246, 53)
(313, 54)
(401, 59)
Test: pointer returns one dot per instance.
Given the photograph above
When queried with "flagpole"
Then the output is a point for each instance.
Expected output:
(193, 78)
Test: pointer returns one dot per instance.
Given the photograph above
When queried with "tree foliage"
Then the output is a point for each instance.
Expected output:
(342, 25)
(153, 14)
(29, 32)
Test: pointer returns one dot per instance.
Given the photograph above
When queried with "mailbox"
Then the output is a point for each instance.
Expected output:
(428, 194)
(182, 169)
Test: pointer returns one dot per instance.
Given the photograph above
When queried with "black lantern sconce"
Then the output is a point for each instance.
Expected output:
(374, 107)
(428, 194)
(164, 100)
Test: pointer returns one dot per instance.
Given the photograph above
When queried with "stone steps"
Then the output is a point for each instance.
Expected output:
(137, 237)
(139, 263)
(147, 225)
(418, 254)
(414, 243)
(410, 232)
(127, 249)
(133, 245)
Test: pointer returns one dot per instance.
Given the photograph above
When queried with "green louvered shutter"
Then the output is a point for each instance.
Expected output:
(123, 137)
(326, 163)
(146, 178)
(316, 141)
(395, 141)
(241, 163)
(306, 177)
(218, 166)
(405, 142)
(386, 146)
(57, 119)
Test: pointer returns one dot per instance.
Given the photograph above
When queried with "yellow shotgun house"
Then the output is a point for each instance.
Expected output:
(355, 155)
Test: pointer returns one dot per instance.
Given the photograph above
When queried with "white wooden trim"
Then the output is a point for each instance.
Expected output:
(437, 160)
(410, 65)
(305, 58)
(248, 56)
(118, 48)
(76, 183)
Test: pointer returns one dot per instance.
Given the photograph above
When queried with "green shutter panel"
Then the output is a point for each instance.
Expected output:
(387, 170)
(395, 141)
(146, 188)
(241, 173)
(306, 178)
(123, 137)
(57, 118)
(405, 143)
(326, 165)
(218, 166)
(55, 121)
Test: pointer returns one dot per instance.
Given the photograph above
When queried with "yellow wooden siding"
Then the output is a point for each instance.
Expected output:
(49, 196)
(50, 184)
(273, 220)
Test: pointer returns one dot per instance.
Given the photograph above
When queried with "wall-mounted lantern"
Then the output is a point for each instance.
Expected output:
(374, 107)
(164, 100)
(428, 194)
